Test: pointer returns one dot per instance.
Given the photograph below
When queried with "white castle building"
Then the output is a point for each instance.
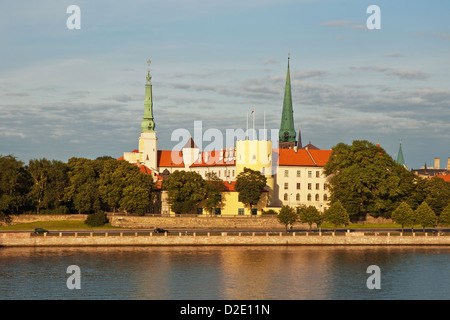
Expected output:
(294, 172)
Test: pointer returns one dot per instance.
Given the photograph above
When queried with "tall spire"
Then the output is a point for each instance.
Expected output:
(148, 124)
(400, 160)
(287, 131)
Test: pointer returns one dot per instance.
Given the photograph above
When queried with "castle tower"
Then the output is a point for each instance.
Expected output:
(287, 134)
(256, 155)
(147, 140)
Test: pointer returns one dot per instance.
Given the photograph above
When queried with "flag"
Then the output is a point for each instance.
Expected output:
(253, 111)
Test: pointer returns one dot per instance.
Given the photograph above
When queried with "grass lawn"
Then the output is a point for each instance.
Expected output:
(56, 225)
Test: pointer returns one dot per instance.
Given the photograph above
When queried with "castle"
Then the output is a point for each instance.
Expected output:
(294, 172)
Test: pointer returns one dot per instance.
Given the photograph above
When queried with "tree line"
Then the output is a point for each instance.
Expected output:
(337, 215)
(79, 186)
(367, 181)
(88, 186)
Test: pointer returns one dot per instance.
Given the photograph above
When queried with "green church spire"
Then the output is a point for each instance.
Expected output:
(148, 124)
(400, 160)
(287, 131)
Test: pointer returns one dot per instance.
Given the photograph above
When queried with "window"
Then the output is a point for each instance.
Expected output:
(325, 197)
(309, 186)
(297, 197)
(298, 174)
(241, 211)
(217, 211)
(199, 210)
(317, 186)
(286, 173)
(286, 186)
(233, 173)
(285, 197)
(219, 173)
(298, 185)
(254, 211)
(309, 196)
(317, 174)
(325, 186)
(317, 197)
(309, 174)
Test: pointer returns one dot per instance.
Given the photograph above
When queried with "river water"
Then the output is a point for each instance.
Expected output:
(219, 273)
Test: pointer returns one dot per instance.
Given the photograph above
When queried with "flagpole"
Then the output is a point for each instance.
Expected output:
(253, 124)
(246, 132)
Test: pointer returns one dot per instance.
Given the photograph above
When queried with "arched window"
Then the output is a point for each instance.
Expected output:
(309, 196)
(285, 197)
(317, 197)
(325, 197)
(297, 197)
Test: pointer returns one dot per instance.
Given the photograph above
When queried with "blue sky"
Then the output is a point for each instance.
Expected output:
(66, 93)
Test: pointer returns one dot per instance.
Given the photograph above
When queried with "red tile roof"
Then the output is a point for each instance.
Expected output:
(446, 177)
(229, 186)
(285, 157)
(301, 157)
(168, 158)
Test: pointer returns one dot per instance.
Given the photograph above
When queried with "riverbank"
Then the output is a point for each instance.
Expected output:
(25, 239)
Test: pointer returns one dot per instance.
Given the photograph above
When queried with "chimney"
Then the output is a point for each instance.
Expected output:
(436, 163)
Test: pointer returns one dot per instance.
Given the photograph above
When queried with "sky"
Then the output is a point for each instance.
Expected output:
(80, 92)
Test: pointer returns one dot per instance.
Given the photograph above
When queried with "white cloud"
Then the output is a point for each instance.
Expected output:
(270, 60)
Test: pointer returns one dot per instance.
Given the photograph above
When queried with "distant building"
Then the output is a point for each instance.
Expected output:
(429, 172)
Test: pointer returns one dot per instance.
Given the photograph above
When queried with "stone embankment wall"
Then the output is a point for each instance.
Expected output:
(198, 222)
(188, 222)
(220, 239)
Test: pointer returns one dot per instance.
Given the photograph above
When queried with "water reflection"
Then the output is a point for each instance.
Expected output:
(233, 273)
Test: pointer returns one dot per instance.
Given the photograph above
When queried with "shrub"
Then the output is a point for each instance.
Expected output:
(97, 219)
(270, 211)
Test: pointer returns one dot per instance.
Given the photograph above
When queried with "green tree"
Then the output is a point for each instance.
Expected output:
(214, 187)
(444, 218)
(112, 181)
(49, 182)
(15, 184)
(365, 179)
(336, 214)
(309, 215)
(287, 216)
(403, 214)
(437, 192)
(186, 189)
(138, 194)
(82, 189)
(250, 185)
(426, 216)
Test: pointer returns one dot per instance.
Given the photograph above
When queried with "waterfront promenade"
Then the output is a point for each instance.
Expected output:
(55, 239)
